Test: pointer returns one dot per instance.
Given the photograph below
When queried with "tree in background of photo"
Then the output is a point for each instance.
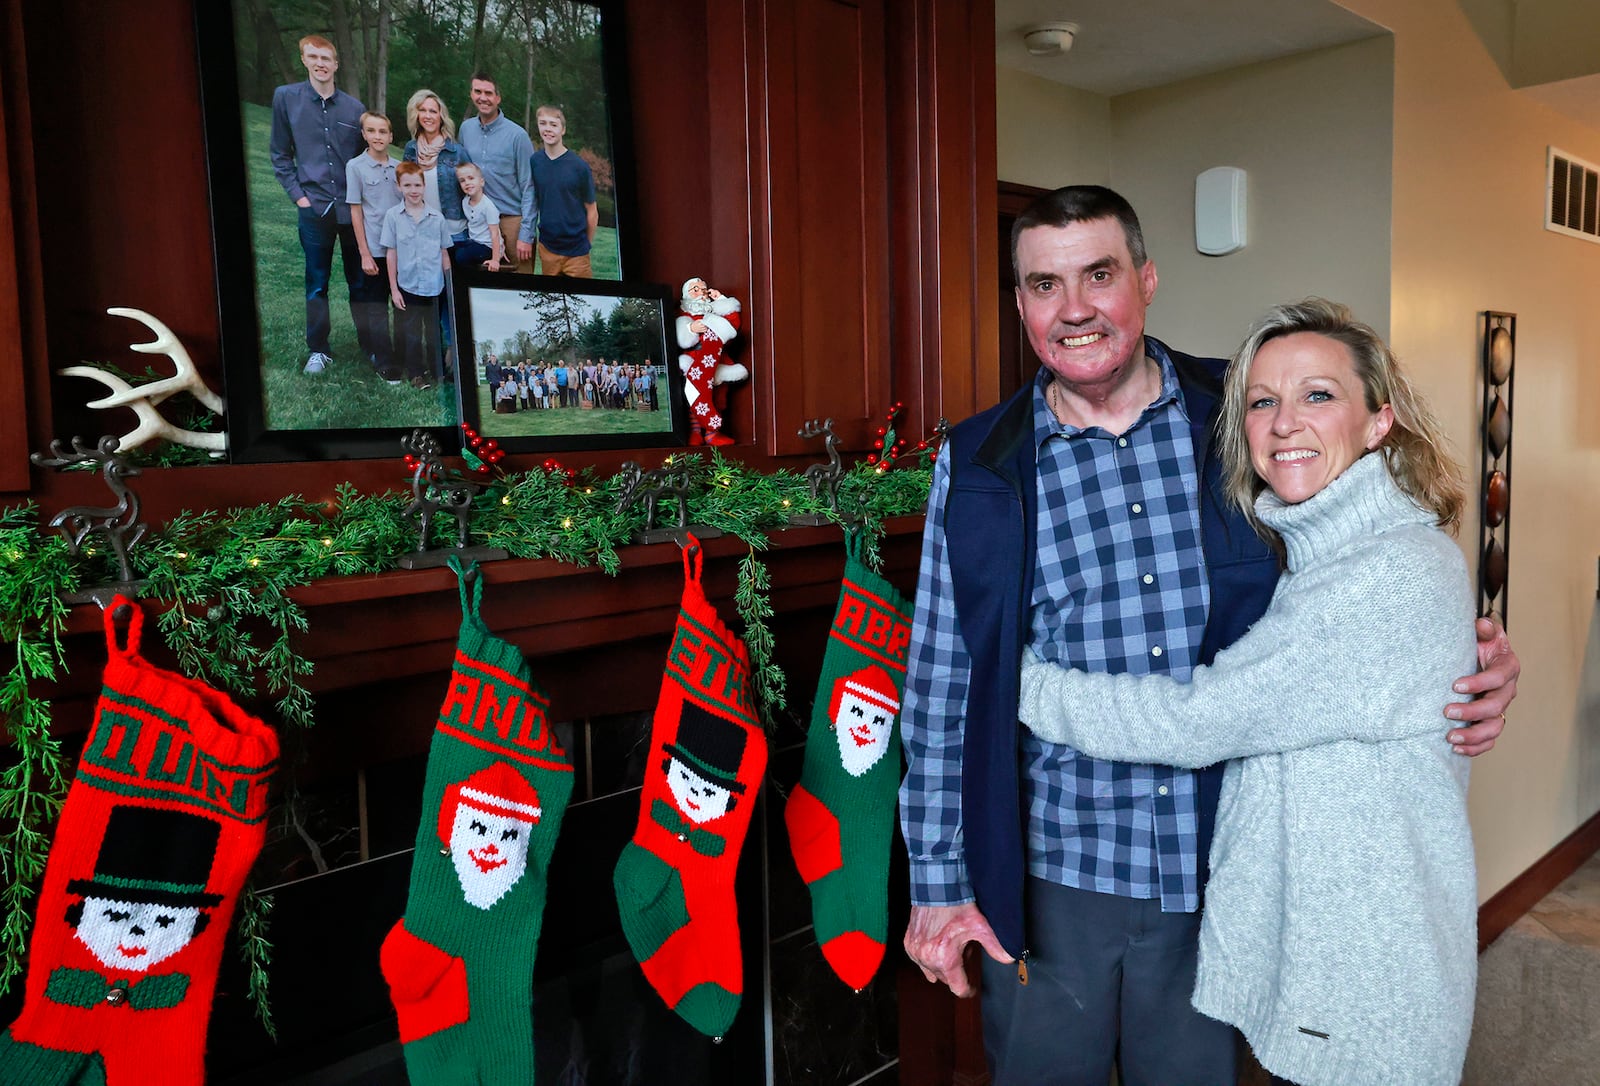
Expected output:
(540, 51)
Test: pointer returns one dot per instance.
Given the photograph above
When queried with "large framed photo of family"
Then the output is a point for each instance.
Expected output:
(360, 154)
(559, 363)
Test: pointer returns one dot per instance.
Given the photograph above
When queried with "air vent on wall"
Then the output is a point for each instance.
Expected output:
(1572, 196)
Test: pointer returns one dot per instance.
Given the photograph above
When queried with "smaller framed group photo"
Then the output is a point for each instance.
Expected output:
(556, 363)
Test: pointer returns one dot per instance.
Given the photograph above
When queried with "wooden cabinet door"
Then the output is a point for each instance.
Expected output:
(13, 402)
(825, 221)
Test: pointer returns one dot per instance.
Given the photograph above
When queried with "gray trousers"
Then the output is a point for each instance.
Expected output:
(1109, 979)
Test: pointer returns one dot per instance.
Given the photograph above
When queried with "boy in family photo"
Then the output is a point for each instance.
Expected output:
(563, 187)
(483, 244)
(371, 191)
(420, 241)
(316, 128)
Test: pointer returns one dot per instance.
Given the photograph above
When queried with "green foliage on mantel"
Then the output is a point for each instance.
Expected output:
(223, 574)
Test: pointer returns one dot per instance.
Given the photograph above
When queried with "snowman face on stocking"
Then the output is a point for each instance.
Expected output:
(864, 708)
(698, 799)
(134, 935)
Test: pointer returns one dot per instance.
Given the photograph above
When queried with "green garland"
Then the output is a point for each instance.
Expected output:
(230, 621)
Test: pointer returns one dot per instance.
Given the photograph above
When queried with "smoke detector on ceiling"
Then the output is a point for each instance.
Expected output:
(1049, 39)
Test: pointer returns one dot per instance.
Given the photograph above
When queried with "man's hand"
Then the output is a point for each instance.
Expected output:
(398, 299)
(937, 938)
(369, 265)
(698, 327)
(524, 251)
(1495, 685)
(304, 201)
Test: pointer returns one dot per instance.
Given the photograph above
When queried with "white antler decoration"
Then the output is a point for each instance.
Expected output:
(144, 398)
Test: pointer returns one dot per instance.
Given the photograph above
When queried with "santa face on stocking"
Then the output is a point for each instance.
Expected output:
(491, 820)
(863, 712)
(133, 935)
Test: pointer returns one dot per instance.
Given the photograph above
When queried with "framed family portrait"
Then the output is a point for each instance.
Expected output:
(558, 363)
(360, 153)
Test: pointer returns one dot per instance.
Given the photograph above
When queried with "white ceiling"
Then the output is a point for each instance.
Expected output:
(1128, 45)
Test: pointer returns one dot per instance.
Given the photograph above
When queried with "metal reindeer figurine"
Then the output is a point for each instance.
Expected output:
(824, 478)
(120, 523)
(670, 480)
(434, 488)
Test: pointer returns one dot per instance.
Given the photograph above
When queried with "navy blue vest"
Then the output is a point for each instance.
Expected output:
(990, 521)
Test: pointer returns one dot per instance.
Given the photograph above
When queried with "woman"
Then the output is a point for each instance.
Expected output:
(1338, 931)
(433, 145)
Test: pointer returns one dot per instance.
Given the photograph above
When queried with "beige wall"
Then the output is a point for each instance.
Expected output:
(1050, 135)
(1468, 194)
(1314, 136)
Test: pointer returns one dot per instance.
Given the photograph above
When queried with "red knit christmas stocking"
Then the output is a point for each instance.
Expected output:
(160, 827)
(675, 878)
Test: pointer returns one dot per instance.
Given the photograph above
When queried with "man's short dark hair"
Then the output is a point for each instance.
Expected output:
(481, 76)
(1080, 203)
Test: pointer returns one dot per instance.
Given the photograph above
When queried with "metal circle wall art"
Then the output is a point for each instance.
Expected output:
(1494, 527)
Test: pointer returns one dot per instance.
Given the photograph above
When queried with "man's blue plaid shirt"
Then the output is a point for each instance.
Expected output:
(1119, 586)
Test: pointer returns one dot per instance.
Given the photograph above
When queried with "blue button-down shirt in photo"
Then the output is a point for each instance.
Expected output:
(1119, 586)
(370, 182)
(417, 247)
(502, 148)
(312, 140)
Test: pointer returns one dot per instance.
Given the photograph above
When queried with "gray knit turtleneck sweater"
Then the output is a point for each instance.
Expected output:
(1339, 932)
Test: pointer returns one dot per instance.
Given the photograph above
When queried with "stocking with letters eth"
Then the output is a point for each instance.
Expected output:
(674, 880)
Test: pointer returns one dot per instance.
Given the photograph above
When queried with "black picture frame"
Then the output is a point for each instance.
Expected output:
(260, 369)
(494, 307)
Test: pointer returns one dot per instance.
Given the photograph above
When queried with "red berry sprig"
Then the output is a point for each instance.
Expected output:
(892, 449)
(485, 450)
(569, 476)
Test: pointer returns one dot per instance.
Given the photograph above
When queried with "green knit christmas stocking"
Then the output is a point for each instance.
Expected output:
(460, 964)
(674, 880)
(841, 814)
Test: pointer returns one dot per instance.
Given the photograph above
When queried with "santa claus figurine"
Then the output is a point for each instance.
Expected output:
(709, 321)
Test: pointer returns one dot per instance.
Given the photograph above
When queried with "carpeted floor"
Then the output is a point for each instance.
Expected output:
(1538, 1017)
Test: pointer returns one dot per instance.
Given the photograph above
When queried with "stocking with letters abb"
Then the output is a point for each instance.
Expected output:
(159, 830)
(674, 880)
(460, 962)
(840, 816)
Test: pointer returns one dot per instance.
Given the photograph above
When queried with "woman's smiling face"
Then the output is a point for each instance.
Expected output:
(1306, 417)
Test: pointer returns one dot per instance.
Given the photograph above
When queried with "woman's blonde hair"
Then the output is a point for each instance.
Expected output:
(446, 125)
(1415, 449)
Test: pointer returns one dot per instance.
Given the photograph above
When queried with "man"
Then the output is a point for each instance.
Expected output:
(564, 188)
(502, 149)
(316, 130)
(1094, 490)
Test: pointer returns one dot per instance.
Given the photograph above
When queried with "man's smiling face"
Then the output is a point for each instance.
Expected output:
(1083, 301)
